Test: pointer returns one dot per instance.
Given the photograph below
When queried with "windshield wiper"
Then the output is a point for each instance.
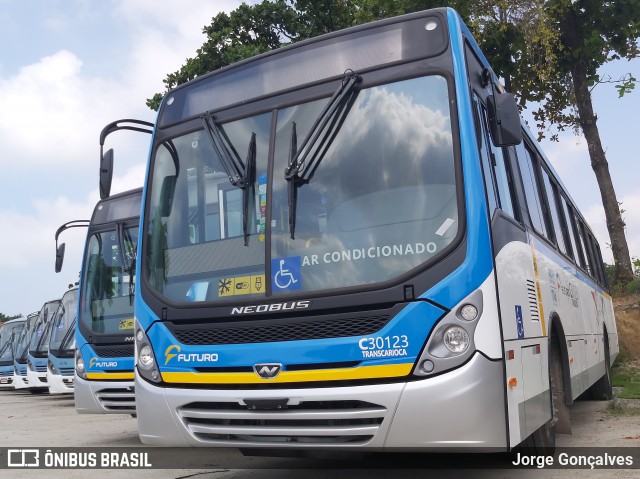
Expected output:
(67, 336)
(303, 162)
(241, 174)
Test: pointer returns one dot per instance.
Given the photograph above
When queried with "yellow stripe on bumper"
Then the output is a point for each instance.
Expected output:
(365, 372)
(110, 376)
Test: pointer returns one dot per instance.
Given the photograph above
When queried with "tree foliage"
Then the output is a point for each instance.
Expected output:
(4, 318)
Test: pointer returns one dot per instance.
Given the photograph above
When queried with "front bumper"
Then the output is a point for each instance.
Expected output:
(104, 397)
(59, 384)
(458, 410)
(37, 380)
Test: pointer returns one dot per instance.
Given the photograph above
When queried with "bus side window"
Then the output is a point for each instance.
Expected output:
(572, 249)
(526, 163)
(552, 202)
(579, 240)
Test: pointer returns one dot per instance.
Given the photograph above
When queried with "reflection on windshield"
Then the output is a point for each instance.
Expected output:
(106, 302)
(381, 202)
(9, 334)
(65, 317)
(38, 342)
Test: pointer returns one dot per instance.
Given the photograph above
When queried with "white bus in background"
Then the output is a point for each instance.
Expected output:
(8, 334)
(20, 347)
(38, 350)
(61, 363)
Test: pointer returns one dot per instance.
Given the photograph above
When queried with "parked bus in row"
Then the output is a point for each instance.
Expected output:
(103, 378)
(62, 344)
(38, 349)
(8, 335)
(20, 350)
(392, 265)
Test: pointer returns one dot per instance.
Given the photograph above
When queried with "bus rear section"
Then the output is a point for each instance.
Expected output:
(38, 349)
(323, 262)
(60, 364)
(8, 336)
(103, 379)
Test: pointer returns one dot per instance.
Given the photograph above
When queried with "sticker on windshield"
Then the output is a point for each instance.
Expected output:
(444, 227)
(285, 273)
(374, 252)
(126, 324)
(240, 285)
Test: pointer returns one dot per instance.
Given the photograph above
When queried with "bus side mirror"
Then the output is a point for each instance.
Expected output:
(106, 173)
(59, 257)
(504, 119)
(166, 195)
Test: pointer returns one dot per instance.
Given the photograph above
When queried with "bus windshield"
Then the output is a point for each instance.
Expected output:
(107, 282)
(46, 315)
(381, 202)
(65, 318)
(8, 333)
(22, 341)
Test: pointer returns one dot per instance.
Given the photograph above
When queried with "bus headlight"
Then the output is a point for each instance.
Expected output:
(52, 367)
(30, 365)
(456, 339)
(144, 357)
(80, 369)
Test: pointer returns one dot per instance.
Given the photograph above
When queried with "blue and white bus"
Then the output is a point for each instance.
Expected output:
(103, 379)
(38, 349)
(20, 346)
(62, 344)
(354, 243)
(8, 335)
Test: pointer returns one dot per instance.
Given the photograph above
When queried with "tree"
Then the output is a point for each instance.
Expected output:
(550, 51)
(4, 318)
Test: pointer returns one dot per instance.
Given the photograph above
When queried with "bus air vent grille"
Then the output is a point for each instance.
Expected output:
(117, 399)
(312, 422)
(533, 300)
(290, 331)
(111, 351)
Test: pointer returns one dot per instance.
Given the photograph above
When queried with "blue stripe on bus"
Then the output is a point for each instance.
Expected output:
(478, 262)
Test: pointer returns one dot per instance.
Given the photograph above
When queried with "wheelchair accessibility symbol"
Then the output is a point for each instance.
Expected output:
(285, 273)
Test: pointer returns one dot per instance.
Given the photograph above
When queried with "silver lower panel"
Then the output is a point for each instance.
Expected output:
(458, 410)
(104, 397)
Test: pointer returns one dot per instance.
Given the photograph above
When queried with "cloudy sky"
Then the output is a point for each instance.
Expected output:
(69, 67)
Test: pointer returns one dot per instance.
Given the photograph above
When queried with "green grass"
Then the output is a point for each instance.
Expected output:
(627, 378)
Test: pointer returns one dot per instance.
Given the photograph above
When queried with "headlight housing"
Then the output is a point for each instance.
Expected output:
(80, 367)
(30, 365)
(144, 357)
(451, 342)
(52, 367)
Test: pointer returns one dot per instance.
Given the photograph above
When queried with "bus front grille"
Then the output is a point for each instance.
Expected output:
(117, 399)
(66, 371)
(311, 422)
(41, 368)
(282, 331)
(110, 351)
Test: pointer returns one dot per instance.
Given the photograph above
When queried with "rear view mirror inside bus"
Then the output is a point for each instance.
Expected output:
(504, 119)
(106, 173)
